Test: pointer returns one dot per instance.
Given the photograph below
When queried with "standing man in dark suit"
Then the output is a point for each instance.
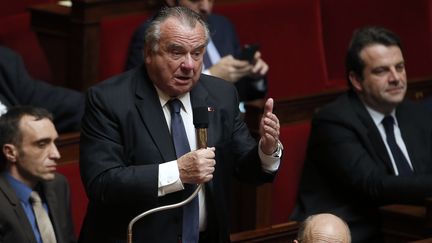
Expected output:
(28, 164)
(356, 161)
(18, 88)
(128, 158)
(222, 55)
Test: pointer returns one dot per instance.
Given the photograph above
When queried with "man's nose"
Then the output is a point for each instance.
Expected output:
(394, 75)
(54, 153)
(188, 62)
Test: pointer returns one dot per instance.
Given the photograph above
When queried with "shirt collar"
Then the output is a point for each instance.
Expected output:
(377, 117)
(184, 98)
(22, 190)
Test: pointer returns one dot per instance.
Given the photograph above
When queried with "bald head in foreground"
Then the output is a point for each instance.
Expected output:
(325, 227)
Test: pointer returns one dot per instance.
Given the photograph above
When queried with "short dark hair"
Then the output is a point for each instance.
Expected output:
(362, 38)
(10, 132)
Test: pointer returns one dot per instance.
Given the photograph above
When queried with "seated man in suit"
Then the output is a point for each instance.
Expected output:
(221, 57)
(140, 151)
(370, 147)
(323, 228)
(34, 200)
(18, 88)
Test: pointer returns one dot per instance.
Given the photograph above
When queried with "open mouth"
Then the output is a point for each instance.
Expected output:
(183, 79)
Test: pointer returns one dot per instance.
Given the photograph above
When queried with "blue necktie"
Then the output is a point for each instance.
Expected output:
(190, 232)
(399, 158)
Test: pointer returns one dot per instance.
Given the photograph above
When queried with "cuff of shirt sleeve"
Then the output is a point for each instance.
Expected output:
(169, 178)
(270, 163)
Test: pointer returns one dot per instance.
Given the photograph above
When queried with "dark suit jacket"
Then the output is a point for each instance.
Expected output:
(14, 225)
(125, 137)
(224, 38)
(348, 171)
(18, 88)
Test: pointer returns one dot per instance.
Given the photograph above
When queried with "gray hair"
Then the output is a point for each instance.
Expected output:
(186, 17)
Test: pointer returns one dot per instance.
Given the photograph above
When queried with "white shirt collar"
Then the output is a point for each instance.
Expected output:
(377, 117)
(184, 98)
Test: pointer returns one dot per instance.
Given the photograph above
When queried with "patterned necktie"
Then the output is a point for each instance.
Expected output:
(46, 229)
(190, 232)
(399, 158)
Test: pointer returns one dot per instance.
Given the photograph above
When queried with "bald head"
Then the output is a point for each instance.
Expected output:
(324, 228)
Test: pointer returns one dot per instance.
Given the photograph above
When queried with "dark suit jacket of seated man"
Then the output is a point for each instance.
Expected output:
(349, 171)
(27, 163)
(126, 141)
(18, 88)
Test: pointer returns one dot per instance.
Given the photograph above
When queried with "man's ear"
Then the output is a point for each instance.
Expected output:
(295, 241)
(10, 151)
(147, 52)
(355, 81)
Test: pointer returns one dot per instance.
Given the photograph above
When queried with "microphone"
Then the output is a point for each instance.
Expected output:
(200, 121)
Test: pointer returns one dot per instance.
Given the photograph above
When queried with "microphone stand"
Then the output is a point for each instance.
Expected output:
(166, 207)
(201, 124)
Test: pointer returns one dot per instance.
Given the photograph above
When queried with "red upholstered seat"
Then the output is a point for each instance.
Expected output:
(18, 7)
(294, 138)
(289, 33)
(116, 33)
(78, 196)
(15, 33)
(410, 20)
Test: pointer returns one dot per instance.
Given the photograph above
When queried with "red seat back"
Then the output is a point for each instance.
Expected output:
(16, 34)
(116, 34)
(289, 34)
(294, 138)
(410, 20)
(18, 7)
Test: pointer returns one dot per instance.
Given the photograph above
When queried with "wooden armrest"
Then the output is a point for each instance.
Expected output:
(404, 223)
(285, 232)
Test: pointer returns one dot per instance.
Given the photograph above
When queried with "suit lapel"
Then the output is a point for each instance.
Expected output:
(19, 211)
(150, 110)
(374, 137)
(410, 137)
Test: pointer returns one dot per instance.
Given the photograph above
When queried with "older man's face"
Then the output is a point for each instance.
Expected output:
(176, 66)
